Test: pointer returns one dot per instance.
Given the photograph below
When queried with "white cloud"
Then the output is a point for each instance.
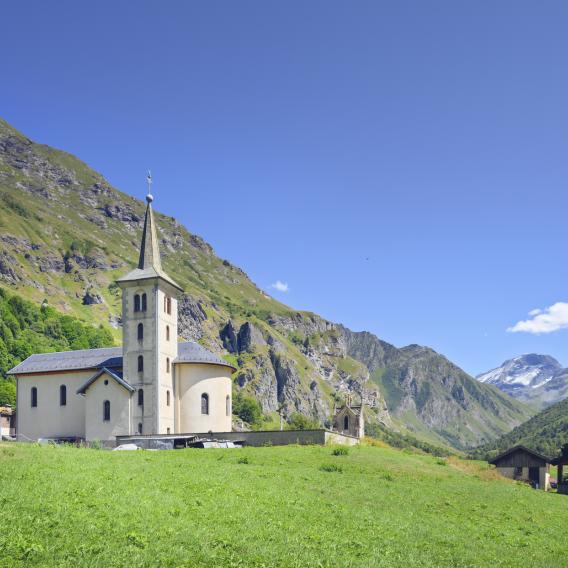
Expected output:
(280, 286)
(550, 319)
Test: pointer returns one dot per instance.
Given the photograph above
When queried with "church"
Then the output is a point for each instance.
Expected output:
(152, 385)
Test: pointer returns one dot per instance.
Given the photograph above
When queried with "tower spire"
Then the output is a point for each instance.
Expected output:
(149, 251)
(149, 262)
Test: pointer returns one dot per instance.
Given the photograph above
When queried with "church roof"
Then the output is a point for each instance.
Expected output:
(149, 262)
(109, 357)
(191, 352)
(70, 360)
(353, 409)
(116, 375)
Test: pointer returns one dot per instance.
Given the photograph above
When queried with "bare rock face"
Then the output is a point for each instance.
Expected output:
(91, 298)
(249, 336)
(263, 382)
(94, 259)
(122, 212)
(191, 316)
(50, 263)
(228, 336)
(7, 264)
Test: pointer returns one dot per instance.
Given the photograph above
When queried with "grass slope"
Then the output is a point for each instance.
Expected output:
(281, 506)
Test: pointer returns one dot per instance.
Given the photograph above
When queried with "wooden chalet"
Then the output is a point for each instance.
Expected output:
(523, 464)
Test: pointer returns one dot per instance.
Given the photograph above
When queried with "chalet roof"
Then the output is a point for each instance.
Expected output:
(520, 448)
(108, 357)
(115, 375)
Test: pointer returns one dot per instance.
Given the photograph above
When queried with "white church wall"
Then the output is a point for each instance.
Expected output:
(120, 403)
(195, 380)
(49, 419)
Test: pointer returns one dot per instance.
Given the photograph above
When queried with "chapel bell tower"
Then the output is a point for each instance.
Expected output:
(149, 335)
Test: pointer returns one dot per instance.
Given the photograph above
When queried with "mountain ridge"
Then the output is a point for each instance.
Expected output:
(67, 234)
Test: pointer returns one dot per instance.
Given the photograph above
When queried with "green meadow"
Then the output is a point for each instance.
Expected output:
(274, 506)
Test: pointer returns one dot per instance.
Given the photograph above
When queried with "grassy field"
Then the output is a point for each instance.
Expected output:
(277, 506)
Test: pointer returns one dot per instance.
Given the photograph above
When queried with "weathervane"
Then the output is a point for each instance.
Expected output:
(149, 197)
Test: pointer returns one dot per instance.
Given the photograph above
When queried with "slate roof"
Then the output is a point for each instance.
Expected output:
(191, 352)
(150, 272)
(70, 360)
(116, 375)
(109, 357)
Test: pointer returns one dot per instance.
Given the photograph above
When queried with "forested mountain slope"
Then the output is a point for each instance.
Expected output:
(66, 235)
(27, 328)
(546, 433)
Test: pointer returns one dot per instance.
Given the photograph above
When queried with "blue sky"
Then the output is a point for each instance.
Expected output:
(401, 166)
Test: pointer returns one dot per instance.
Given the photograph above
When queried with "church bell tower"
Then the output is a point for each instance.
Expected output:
(149, 335)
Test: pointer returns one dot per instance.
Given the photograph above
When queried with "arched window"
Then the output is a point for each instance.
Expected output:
(140, 397)
(140, 331)
(167, 332)
(139, 427)
(144, 302)
(228, 405)
(169, 310)
(137, 303)
(167, 364)
(140, 363)
(204, 403)
(346, 423)
(62, 395)
(167, 430)
(168, 398)
(106, 410)
(34, 396)
(165, 304)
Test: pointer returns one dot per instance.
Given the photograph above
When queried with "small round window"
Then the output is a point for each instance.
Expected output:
(106, 381)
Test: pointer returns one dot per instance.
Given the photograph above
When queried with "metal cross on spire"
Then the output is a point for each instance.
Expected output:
(149, 196)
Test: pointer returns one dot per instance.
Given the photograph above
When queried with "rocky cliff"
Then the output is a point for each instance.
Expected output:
(66, 235)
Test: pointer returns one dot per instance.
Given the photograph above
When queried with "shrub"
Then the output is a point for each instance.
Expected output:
(247, 409)
(298, 421)
(340, 451)
(331, 468)
(7, 393)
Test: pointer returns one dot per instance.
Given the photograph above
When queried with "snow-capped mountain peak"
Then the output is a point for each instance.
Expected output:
(531, 378)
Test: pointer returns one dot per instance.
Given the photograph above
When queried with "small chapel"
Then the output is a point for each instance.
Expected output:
(151, 385)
